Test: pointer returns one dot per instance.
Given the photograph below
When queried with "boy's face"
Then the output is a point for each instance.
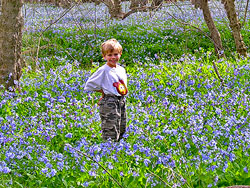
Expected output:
(112, 58)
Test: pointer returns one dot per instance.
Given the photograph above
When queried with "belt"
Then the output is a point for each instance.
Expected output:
(114, 96)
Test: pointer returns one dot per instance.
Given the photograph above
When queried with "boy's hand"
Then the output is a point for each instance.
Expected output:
(101, 91)
(99, 101)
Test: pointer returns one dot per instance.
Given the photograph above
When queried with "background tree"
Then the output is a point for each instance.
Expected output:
(215, 35)
(115, 11)
(139, 5)
(235, 26)
(115, 8)
(11, 22)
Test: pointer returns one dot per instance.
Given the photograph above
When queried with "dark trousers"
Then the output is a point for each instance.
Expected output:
(113, 117)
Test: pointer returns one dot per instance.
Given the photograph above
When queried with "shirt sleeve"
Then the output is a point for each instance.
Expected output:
(95, 81)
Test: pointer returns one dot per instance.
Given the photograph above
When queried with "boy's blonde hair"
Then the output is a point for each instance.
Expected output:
(111, 45)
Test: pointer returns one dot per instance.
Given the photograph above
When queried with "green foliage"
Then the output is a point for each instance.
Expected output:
(139, 43)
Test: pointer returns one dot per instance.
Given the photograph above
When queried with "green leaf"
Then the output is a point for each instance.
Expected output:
(246, 181)
(130, 180)
(18, 183)
(30, 176)
(64, 182)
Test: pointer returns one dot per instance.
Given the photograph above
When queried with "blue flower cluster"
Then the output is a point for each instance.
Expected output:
(176, 123)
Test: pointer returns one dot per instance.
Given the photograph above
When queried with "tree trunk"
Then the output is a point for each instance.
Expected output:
(137, 3)
(156, 4)
(11, 22)
(235, 26)
(215, 35)
(115, 8)
(134, 4)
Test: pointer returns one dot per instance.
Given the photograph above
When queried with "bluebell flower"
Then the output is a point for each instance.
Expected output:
(6, 170)
(92, 173)
(10, 155)
(135, 174)
(225, 166)
(53, 172)
(44, 170)
(159, 137)
(213, 167)
(69, 135)
(110, 166)
(175, 132)
(82, 168)
(191, 82)
(172, 164)
(60, 126)
(61, 99)
(245, 170)
(173, 144)
(216, 180)
(97, 158)
(48, 165)
(188, 146)
(146, 162)
(86, 184)
(60, 165)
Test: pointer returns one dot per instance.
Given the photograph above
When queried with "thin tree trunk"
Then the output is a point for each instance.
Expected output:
(11, 22)
(215, 35)
(235, 26)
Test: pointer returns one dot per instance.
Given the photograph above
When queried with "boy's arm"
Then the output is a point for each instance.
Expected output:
(95, 81)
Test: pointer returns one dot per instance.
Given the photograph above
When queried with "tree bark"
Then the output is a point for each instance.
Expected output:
(215, 35)
(156, 4)
(137, 3)
(235, 26)
(11, 22)
(134, 4)
(115, 8)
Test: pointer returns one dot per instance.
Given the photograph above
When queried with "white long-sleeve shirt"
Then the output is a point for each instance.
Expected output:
(111, 80)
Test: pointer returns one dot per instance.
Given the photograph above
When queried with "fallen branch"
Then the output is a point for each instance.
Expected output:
(140, 9)
(32, 50)
(81, 30)
(218, 74)
(159, 178)
(185, 23)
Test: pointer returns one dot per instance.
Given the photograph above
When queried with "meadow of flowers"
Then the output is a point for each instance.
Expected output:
(185, 128)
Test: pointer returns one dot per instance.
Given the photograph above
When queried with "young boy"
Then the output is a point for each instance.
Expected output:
(111, 80)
